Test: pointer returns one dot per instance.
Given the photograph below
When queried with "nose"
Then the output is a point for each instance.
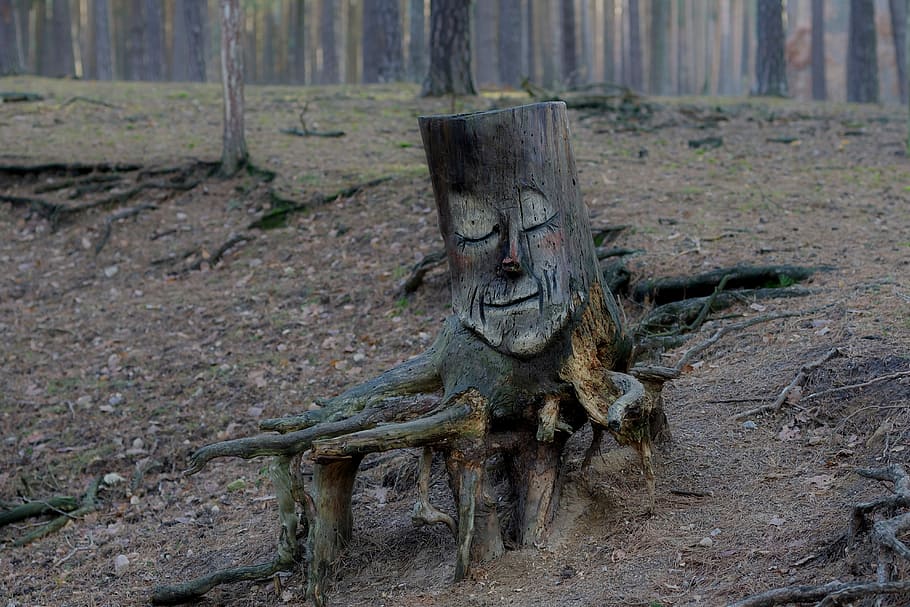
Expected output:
(511, 260)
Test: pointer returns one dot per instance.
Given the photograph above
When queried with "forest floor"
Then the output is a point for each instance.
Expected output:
(131, 336)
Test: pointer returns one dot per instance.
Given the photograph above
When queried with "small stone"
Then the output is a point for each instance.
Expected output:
(706, 542)
(359, 357)
(110, 271)
(750, 425)
(254, 411)
(120, 564)
(115, 399)
(84, 401)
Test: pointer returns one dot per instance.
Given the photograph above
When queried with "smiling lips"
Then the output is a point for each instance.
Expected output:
(513, 303)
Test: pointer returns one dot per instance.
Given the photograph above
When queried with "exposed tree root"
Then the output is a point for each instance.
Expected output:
(60, 504)
(86, 505)
(283, 208)
(663, 290)
(87, 179)
(884, 537)
(123, 214)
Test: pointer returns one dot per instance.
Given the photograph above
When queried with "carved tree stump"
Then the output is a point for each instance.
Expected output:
(533, 351)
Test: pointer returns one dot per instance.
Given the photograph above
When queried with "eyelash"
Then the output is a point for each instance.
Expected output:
(464, 241)
(550, 224)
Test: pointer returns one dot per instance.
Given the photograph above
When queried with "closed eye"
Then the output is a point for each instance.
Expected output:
(550, 223)
(465, 241)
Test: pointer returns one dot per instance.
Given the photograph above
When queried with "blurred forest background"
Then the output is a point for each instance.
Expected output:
(660, 47)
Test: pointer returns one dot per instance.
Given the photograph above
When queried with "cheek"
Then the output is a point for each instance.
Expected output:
(547, 249)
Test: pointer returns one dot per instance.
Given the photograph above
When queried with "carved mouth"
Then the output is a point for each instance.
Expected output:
(512, 303)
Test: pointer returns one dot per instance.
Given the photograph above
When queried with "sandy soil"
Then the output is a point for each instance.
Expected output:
(122, 362)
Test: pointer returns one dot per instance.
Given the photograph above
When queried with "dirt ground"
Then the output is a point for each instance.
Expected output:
(125, 348)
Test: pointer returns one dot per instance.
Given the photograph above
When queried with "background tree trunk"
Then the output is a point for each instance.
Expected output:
(819, 81)
(98, 63)
(328, 24)
(298, 39)
(898, 10)
(153, 40)
(189, 40)
(511, 33)
(450, 49)
(233, 151)
(58, 40)
(569, 43)
(417, 44)
(11, 59)
(486, 27)
(770, 69)
(382, 53)
(660, 29)
(609, 41)
(862, 59)
(636, 61)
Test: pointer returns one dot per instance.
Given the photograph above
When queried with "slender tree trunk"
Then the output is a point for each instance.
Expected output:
(382, 52)
(11, 60)
(771, 72)
(862, 61)
(99, 64)
(817, 50)
(586, 28)
(450, 49)
(569, 38)
(354, 42)
(636, 63)
(511, 34)
(328, 23)
(233, 152)
(486, 27)
(153, 34)
(417, 44)
(298, 40)
(533, 41)
(188, 40)
(660, 29)
(609, 42)
(899, 30)
(683, 71)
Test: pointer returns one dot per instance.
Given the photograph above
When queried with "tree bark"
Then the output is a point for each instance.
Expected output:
(233, 150)
(450, 50)
(297, 35)
(862, 59)
(511, 34)
(898, 11)
(382, 52)
(660, 59)
(189, 40)
(819, 81)
(11, 59)
(770, 69)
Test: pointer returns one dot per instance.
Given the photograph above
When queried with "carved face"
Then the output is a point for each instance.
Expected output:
(513, 221)
(509, 272)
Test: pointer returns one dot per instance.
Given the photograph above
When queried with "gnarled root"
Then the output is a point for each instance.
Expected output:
(285, 560)
(425, 513)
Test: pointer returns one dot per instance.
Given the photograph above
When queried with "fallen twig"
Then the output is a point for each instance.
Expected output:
(798, 380)
(701, 347)
(216, 256)
(34, 508)
(864, 384)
